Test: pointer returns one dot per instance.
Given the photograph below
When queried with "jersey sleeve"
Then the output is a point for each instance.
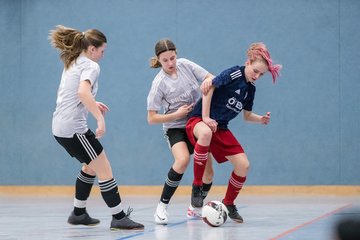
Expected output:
(90, 72)
(198, 71)
(227, 76)
(155, 96)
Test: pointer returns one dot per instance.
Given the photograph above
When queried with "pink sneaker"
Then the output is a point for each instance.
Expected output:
(193, 212)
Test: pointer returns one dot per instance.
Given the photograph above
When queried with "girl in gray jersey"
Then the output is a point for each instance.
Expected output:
(174, 91)
(81, 52)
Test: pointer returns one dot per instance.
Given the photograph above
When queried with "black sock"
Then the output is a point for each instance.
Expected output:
(109, 192)
(83, 185)
(172, 182)
(205, 189)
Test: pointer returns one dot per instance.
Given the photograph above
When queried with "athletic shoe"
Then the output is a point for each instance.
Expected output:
(125, 224)
(161, 215)
(233, 213)
(83, 219)
(196, 197)
(194, 213)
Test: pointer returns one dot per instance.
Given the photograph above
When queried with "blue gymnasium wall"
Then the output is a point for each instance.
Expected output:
(314, 133)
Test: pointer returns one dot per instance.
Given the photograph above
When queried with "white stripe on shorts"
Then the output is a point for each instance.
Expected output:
(87, 146)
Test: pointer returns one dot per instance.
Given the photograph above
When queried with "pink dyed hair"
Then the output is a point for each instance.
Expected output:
(258, 51)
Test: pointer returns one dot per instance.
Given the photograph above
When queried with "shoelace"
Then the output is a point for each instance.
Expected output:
(129, 210)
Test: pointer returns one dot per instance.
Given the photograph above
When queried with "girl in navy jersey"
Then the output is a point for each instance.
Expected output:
(174, 91)
(232, 91)
(81, 52)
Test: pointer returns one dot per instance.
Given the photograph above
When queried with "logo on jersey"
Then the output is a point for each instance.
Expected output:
(235, 74)
(234, 104)
(238, 91)
(185, 95)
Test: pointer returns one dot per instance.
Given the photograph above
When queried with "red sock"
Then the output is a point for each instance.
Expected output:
(235, 184)
(200, 158)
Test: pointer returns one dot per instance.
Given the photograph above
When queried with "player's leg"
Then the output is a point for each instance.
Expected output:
(195, 212)
(237, 179)
(86, 177)
(203, 134)
(83, 186)
(208, 177)
(110, 193)
(181, 161)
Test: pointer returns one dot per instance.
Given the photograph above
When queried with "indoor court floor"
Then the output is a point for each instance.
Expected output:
(266, 217)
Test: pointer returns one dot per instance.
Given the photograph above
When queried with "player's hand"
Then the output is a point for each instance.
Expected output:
(266, 118)
(103, 108)
(184, 110)
(100, 130)
(211, 123)
(205, 86)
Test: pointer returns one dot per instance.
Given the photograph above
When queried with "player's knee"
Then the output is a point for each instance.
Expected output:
(181, 164)
(88, 170)
(205, 134)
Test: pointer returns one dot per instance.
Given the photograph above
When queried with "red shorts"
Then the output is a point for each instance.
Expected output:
(223, 142)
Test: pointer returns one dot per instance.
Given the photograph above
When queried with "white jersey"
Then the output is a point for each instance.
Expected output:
(169, 94)
(70, 115)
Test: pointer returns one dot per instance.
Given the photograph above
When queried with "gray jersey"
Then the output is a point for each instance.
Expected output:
(169, 94)
(70, 115)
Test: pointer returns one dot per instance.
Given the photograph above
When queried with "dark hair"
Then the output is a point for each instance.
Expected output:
(72, 42)
(161, 46)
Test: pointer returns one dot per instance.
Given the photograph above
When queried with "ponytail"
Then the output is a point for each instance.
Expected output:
(72, 42)
(258, 51)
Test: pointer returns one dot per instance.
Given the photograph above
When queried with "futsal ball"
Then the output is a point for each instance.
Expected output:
(214, 213)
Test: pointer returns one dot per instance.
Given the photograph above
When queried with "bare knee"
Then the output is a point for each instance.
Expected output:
(102, 167)
(205, 135)
(86, 169)
(181, 164)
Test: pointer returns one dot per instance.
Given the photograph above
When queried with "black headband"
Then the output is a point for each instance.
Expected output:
(164, 50)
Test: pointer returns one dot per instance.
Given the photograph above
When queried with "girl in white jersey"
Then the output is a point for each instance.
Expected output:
(174, 90)
(80, 52)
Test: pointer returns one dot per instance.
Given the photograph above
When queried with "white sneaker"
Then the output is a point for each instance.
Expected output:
(194, 212)
(161, 215)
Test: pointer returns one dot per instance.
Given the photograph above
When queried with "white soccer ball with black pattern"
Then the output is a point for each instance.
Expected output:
(214, 213)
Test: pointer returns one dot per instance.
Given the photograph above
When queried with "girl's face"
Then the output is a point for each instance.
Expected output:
(96, 54)
(168, 61)
(254, 70)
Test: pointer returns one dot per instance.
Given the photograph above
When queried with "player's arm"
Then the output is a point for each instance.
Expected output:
(253, 117)
(88, 100)
(206, 103)
(154, 117)
(207, 83)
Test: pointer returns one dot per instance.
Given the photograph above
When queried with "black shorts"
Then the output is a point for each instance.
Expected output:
(175, 135)
(84, 147)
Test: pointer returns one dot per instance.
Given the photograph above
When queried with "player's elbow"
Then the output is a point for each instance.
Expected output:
(151, 120)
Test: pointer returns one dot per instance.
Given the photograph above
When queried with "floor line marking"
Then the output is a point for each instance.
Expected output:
(310, 222)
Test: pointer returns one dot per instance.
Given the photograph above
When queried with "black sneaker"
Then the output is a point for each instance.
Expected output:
(83, 219)
(196, 197)
(233, 213)
(125, 224)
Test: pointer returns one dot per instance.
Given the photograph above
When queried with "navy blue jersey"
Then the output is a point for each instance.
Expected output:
(231, 95)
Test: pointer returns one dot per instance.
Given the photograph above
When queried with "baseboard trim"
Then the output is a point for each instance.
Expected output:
(342, 190)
